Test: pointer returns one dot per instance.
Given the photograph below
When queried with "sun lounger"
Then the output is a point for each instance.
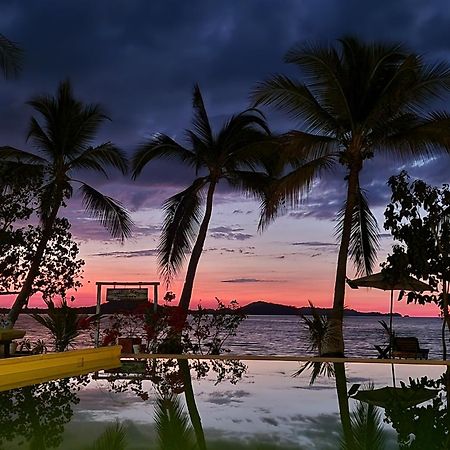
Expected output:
(408, 347)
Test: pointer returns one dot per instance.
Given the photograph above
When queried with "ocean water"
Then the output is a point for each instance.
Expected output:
(286, 335)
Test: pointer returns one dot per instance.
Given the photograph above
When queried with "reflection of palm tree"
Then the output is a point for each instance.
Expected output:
(113, 438)
(362, 428)
(64, 139)
(219, 156)
(357, 101)
(172, 424)
(191, 404)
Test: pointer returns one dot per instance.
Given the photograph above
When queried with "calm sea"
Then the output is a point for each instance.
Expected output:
(286, 335)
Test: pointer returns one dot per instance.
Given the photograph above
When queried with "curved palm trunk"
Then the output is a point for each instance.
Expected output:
(27, 287)
(197, 250)
(334, 342)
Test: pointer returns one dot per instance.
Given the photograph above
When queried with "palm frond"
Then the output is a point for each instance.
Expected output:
(180, 227)
(69, 125)
(367, 428)
(242, 141)
(296, 100)
(420, 139)
(201, 124)
(365, 238)
(322, 66)
(291, 189)
(317, 326)
(160, 146)
(11, 56)
(97, 158)
(316, 369)
(12, 154)
(111, 214)
(113, 438)
(172, 424)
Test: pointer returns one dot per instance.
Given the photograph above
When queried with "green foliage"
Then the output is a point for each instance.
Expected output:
(63, 322)
(172, 424)
(424, 426)
(60, 269)
(367, 428)
(317, 326)
(205, 333)
(113, 438)
(37, 413)
(419, 219)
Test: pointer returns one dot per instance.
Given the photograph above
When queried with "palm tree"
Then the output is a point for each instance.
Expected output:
(355, 101)
(218, 157)
(10, 57)
(64, 139)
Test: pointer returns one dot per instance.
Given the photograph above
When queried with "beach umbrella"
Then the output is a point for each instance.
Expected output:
(400, 397)
(380, 281)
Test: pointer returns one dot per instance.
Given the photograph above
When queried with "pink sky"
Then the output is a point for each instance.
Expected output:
(292, 262)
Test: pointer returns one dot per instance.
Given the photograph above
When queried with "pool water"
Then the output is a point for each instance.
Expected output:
(233, 405)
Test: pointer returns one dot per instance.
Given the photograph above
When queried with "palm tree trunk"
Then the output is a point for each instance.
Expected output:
(344, 410)
(197, 250)
(27, 287)
(334, 342)
(191, 404)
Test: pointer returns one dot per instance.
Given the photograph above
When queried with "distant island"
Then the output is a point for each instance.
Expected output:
(260, 308)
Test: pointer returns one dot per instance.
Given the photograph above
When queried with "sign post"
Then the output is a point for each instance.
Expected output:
(130, 294)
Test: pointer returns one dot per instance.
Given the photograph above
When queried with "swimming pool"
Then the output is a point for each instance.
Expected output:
(234, 405)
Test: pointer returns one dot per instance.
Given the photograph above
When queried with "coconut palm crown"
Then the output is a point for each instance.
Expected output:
(214, 157)
(64, 140)
(354, 101)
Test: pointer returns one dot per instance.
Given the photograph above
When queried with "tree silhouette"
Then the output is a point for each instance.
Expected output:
(355, 101)
(65, 139)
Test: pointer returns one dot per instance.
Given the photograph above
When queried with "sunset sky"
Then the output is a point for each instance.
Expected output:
(140, 60)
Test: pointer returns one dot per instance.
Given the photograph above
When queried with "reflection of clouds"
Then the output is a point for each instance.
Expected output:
(227, 397)
(270, 421)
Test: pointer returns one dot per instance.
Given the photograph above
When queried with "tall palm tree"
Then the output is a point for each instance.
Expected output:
(64, 140)
(10, 57)
(215, 157)
(355, 101)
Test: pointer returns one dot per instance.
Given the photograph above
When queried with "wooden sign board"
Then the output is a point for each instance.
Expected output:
(126, 294)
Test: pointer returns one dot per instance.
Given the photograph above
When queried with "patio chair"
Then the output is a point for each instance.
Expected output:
(408, 347)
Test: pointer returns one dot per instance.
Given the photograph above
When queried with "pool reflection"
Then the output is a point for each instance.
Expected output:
(205, 405)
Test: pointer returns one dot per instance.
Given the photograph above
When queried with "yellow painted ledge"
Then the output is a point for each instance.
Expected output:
(28, 370)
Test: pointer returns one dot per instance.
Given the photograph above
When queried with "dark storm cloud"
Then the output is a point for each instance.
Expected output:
(140, 59)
